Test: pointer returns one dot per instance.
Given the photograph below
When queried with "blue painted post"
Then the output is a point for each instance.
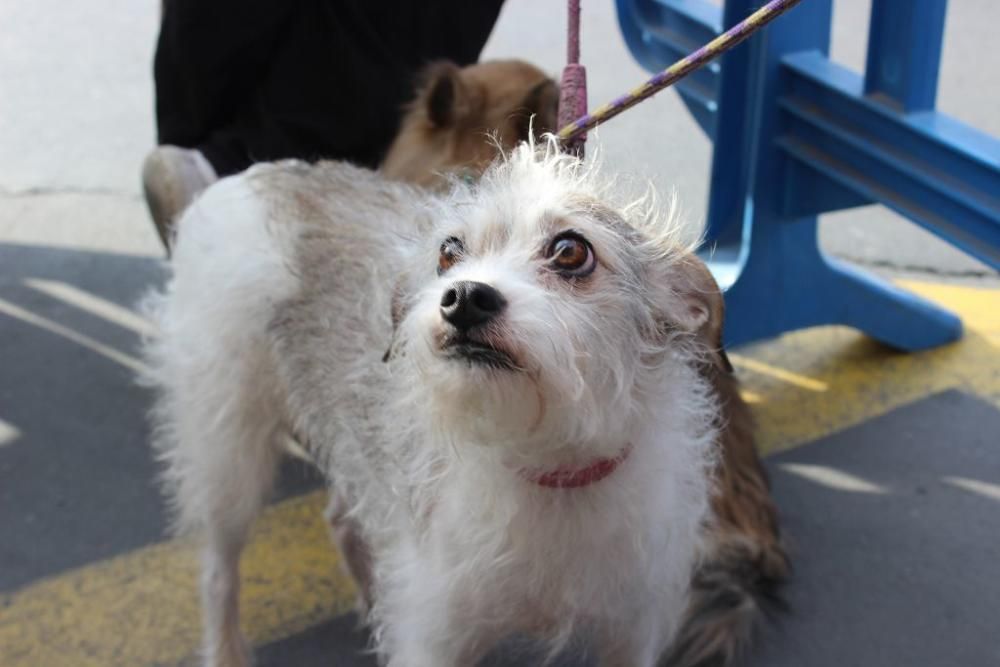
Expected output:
(797, 135)
(783, 280)
(733, 151)
(904, 52)
(662, 32)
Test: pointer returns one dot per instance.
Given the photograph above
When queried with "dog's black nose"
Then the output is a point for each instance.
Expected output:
(468, 304)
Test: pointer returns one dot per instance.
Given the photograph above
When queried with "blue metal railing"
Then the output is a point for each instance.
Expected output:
(796, 135)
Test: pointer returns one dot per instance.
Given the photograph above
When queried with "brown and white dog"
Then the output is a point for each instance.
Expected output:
(234, 378)
(745, 563)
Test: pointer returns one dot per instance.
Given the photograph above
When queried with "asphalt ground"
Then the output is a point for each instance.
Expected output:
(887, 474)
(886, 466)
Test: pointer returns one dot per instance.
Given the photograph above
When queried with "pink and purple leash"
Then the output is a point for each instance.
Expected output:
(573, 117)
(573, 88)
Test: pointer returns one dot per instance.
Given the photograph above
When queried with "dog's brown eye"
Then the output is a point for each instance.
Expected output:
(571, 255)
(451, 252)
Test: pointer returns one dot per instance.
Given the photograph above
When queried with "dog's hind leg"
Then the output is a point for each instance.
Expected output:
(238, 493)
(220, 410)
(224, 645)
(219, 438)
(223, 467)
(357, 559)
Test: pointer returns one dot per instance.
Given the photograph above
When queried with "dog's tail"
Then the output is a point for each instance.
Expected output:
(732, 590)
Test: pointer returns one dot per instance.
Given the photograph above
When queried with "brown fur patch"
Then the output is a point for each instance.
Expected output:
(742, 504)
(745, 563)
(461, 118)
(740, 577)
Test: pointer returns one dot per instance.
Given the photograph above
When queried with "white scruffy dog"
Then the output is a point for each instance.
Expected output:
(501, 383)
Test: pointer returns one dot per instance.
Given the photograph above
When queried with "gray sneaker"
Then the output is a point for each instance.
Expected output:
(171, 178)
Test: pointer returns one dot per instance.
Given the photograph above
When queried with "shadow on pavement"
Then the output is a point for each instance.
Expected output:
(77, 480)
(897, 552)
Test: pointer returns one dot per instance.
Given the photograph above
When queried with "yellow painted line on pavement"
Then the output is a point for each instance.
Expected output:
(746, 363)
(864, 379)
(141, 608)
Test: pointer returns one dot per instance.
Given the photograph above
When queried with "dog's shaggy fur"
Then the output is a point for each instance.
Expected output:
(745, 564)
(290, 284)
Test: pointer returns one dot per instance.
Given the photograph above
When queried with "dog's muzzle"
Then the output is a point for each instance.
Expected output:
(477, 353)
(468, 307)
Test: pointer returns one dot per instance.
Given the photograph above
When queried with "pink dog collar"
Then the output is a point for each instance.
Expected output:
(567, 478)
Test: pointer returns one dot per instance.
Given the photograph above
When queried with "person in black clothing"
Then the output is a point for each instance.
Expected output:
(242, 81)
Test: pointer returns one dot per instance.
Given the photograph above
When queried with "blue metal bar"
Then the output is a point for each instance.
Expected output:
(788, 283)
(699, 15)
(796, 135)
(904, 52)
(939, 173)
(783, 281)
(660, 32)
(737, 130)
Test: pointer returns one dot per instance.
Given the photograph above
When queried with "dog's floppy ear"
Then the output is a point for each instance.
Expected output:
(539, 110)
(445, 97)
(703, 309)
